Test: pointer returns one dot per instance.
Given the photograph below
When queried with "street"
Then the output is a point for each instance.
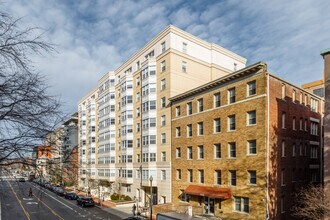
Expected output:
(16, 204)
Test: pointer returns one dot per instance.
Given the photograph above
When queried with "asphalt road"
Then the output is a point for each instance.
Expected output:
(43, 205)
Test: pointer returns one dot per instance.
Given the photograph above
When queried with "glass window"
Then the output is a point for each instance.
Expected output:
(184, 66)
(231, 123)
(232, 149)
(232, 176)
(177, 111)
(251, 88)
(201, 152)
(217, 125)
(252, 177)
(184, 47)
(178, 152)
(190, 176)
(252, 147)
(217, 151)
(189, 108)
(177, 131)
(252, 119)
(163, 137)
(217, 100)
(163, 84)
(200, 105)
(163, 47)
(200, 128)
(218, 177)
(189, 130)
(231, 95)
(163, 66)
(201, 176)
(163, 102)
(189, 153)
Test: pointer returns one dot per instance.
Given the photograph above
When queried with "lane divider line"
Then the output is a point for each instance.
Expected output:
(55, 213)
(53, 197)
(19, 201)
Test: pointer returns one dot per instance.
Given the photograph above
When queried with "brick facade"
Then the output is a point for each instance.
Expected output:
(249, 200)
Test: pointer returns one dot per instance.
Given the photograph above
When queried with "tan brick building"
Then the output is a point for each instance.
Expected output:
(242, 144)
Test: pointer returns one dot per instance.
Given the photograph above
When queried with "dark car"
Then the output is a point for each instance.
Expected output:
(21, 179)
(85, 201)
(71, 196)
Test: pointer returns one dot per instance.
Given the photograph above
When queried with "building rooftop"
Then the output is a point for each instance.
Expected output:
(325, 51)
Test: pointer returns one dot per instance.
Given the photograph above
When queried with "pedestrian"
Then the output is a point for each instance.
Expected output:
(134, 209)
(30, 192)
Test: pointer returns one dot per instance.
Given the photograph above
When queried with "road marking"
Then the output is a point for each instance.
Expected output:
(54, 198)
(29, 199)
(50, 208)
(19, 201)
(32, 203)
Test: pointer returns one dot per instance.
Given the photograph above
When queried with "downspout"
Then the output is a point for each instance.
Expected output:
(267, 145)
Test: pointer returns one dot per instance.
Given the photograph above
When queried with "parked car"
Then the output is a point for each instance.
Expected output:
(85, 201)
(21, 179)
(59, 191)
(71, 196)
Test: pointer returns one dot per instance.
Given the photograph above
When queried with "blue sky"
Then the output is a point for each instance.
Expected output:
(93, 37)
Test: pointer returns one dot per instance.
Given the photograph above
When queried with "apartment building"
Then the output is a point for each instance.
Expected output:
(171, 63)
(316, 87)
(87, 137)
(243, 144)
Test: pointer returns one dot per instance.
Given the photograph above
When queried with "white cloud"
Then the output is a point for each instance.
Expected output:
(93, 37)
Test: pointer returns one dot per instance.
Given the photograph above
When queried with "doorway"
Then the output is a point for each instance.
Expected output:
(208, 206)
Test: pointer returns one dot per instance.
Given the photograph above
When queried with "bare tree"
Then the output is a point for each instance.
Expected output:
(312, 202)
(27, 112)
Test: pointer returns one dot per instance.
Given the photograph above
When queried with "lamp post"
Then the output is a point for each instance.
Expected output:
(150, 179)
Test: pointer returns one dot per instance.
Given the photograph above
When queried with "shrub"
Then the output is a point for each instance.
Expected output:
(127, 198)
(114, 196)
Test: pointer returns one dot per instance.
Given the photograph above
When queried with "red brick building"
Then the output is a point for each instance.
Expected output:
(243, 144)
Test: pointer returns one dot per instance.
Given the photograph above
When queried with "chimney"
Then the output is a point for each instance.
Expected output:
(326, 120)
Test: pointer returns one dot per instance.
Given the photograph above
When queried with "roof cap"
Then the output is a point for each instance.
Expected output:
(325, 51)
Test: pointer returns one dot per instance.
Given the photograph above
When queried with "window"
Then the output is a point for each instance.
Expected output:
(200, 105)
(163, 174)
(232, 149)
(235, 66)
(301, 124)
(177, 111)
(232, 177)
(163, 66)
(138, 67)
(282, 204)
(306, 128)
(184, 66)
(201, 152)
(200, 128)
(190, 176)
(252, 147)
(177, 132)
(163, 156)
(189, 108)
(314, 152)
(184, 47)
(178, 152)
(252, 119)
(178, 174)
(283, 91)
(163, 84)
(189, 130)
(231, 123)
(252, 177)
(163, 47)
(283, 177)
(163, 120)
(251, 88)
(217, 100)
(189, 153)
(241, 204)
(217, 125)
(283, 149)
(300, 98)
(294, 96)
(231, 95)
(217, 151)
(283, 120)
(306, 99)
(218, 177)
(163, 102)
(314, 128)
(201, 176)
(294, 150)
(163, 137)
(294, 123)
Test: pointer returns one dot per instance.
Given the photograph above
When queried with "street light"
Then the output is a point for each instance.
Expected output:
(150, 179)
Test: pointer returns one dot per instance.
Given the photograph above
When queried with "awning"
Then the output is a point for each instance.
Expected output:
(209, 191)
